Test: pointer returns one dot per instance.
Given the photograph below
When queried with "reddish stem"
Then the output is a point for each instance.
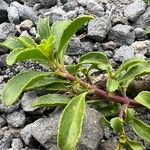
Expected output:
(101, 93)
(122, 110)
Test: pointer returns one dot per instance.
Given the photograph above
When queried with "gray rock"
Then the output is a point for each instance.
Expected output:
(75, 47)
(44, 130)
(26, 103)
(139, 33)
(33, 31)
(13, 15)
(5, 140)
(16, 119)
(92, 132)
(48, 3)
(30, 2)
(135, 10)
(3, 11)
(69, 6)
(2, 122)
(16, 144)
(119, 20)
(87, 46)
(99, 27)
(144, 20)
(141, 47)
(92, 6)
(7, 30)
(109, 45)
(26, 134)
(110, 144)
(122, 34)
(8, 109)
(71, 15)
(56, 14)
(123, 53)
(26, 25)
(25, 12)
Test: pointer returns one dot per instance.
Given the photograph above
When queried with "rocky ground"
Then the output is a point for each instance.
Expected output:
(117, 30)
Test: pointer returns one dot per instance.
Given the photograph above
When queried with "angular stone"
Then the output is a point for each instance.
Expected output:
(13, 15)
(144, 20)
(92, 6)
(135, 10)
(16, 144)
(122, 34)
(26, 103)
(16, 119)
(123, 53)
(44, 130)
(141, 47)
(99, 27)
(75, 47)
(25, 12)
(5, 140)
(3, 11)
(7, 30)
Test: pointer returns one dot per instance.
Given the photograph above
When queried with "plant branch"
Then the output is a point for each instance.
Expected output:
(101, 93)
(122, 110)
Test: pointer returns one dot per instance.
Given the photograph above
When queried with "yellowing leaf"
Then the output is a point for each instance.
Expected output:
(116, 124)
(71, 123)
(18, 84)
(21, 55)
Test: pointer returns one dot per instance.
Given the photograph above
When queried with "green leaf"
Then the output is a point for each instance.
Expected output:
(141, 129)
(12, 43)
(112, 85)
(72, 69)
(129, 114)
(128, 63)
(108, 109)
(18, 84)
(71, 123)
(144, 98)
(116, 124)
(57, 29)
(43, 28)
(57, 87)
(27, 41)
(71, 29)
(47, 81)
(134, 145)
(51, 100)
(136, 71)
(104, 121)
(147, 30)
(47, 47)
(93, 58)
(21, 55)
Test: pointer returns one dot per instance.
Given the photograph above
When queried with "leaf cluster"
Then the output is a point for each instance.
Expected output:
(111, 101)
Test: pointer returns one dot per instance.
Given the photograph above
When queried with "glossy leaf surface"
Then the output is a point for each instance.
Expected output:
(71, 123)
(43, 28)
(51, 100)
(18, 84)
(28, 54)
(141, 129)
(144, 98)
